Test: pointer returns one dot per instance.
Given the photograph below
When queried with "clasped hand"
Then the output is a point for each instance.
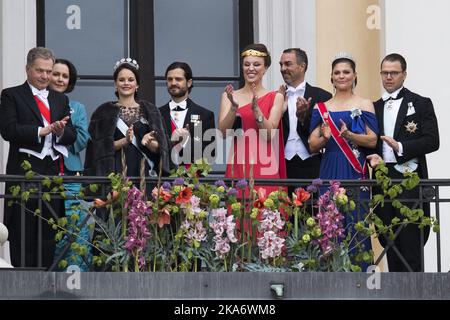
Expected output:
(149, 140)
(56, 128)
(180, 134)
(344, 132)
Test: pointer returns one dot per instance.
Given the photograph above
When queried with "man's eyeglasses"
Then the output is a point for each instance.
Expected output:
(393, 74)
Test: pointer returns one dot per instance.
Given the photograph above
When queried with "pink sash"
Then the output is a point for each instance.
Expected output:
(341, 142)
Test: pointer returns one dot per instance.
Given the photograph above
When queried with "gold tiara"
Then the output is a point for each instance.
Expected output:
(254, 53)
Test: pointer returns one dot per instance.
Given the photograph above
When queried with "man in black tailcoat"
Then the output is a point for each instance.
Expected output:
(36, 123)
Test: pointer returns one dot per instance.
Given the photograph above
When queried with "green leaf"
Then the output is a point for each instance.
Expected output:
(59, 236)
(46, 196)
(62, 194)
(26, 165)
(46, 182)
(58, 180)
(25, 196)
(397, 204)
(29, 174)
(395, 220)
(62, 222)
(63, 264)
(392, 192)
(378, 198)
(15, 190)
(93, 187)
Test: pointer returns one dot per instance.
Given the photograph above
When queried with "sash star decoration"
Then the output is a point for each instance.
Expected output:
(411, 127)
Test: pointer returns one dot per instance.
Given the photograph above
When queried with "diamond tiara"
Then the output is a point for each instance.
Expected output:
(129, 61)
(342, 55)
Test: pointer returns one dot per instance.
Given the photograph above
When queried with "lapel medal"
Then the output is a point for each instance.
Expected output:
(176, 116)
(195, 118)
(411, 127)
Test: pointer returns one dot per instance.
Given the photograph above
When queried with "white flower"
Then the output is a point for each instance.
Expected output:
(356, 112)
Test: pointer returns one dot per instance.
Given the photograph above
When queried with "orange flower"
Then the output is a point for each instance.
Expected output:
(300, 196)
(184, 196)
(99, 203)
(164, 194)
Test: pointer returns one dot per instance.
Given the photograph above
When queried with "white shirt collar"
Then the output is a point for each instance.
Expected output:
(36, 92)
(182, 104)
(386, 95)
(300, 88)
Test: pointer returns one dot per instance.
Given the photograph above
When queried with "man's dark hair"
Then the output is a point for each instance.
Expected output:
(300, 54)
(396, 57)
(185, 67)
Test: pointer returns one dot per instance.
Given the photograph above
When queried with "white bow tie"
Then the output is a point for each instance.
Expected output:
(42, 93)
(393, 96)
(291, 90)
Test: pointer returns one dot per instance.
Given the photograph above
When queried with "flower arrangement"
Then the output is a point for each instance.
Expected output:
(185, 225)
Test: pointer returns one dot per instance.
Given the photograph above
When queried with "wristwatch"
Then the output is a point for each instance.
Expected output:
(259, 119)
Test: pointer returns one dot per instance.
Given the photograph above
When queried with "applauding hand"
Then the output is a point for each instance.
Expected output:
(255, 97)
(58, 126)
(302, 107)
(229, 90)
(325, 130)
(391, 143)
(344, 132)
(374, 160)
(282, 90)
(149, 140)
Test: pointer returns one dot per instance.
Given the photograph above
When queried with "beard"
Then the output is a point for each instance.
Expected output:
(287, 78)
(177, 92)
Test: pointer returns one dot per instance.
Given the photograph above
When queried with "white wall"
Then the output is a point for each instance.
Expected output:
(286, 24)
(17, 37)
(420, 31)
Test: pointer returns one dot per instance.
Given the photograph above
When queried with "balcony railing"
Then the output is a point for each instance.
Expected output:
(430, 191)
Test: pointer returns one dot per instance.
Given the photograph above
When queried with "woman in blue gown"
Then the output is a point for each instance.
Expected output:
(63, 79)
(355, 127)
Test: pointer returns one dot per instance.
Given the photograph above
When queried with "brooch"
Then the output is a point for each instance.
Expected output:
(195, 118)
(411, 127)
(355, 112)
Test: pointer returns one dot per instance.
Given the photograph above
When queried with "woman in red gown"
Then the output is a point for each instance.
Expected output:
(259, 150)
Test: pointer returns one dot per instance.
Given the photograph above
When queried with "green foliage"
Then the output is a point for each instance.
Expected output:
(93, 187)
(26, 165)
